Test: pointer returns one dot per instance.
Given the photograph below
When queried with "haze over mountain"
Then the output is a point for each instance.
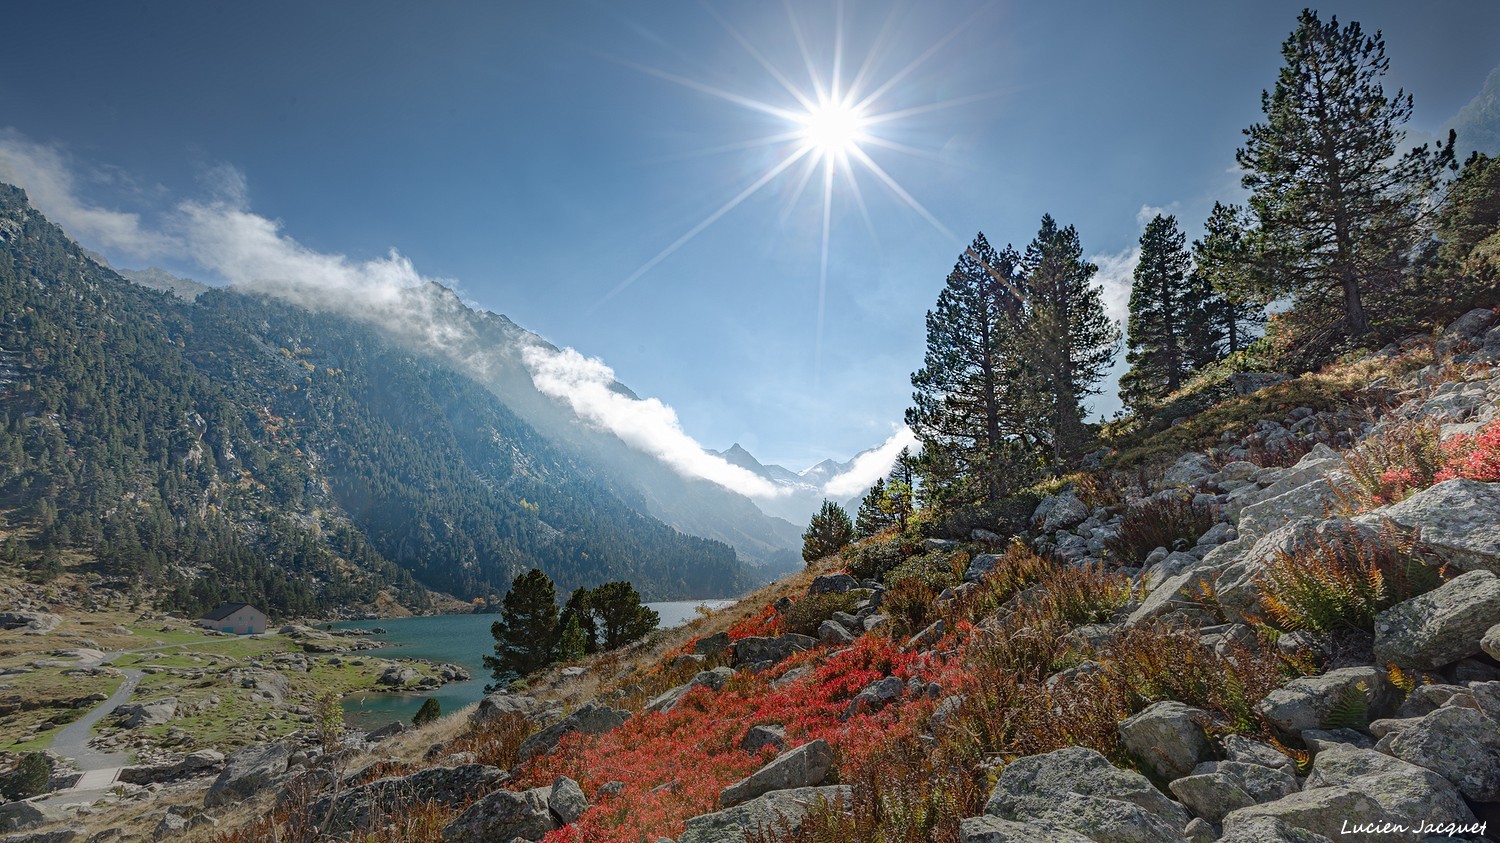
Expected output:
(241, 447)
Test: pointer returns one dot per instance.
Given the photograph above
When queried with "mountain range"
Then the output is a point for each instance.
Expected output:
(802, 491)
(213, 443)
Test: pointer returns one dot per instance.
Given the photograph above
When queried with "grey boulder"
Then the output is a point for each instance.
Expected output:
(567, 800)
(503, 815)
(154, 713)
(1440, 627)
(1059, 512)
(1077, 788)
(875, 696)
(996, 830)
(1460, 744)
(834, 634)
(804, 766)
(591, 719)
(779, 808)
(1402, 789)
(247, 771)
(832, 584)
(1218, 787)
(754, 649)
(361, 807)
(1490, 643)
(759, 736)
(1167, 738)
(1264, 829)
(1459, 520)
(1306, 703)
(1321, 811)
(501, 705)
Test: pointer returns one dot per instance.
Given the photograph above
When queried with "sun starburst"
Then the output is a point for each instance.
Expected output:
(833, 129)
(830, 128)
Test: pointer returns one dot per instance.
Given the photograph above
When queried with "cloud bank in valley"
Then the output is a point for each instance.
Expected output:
(586, 385)
(871, 465)
(222, 236)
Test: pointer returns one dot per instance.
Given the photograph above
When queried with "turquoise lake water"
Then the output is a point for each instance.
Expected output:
(459, 639)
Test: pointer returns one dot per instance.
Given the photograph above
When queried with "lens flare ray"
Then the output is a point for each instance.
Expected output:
(830, 125)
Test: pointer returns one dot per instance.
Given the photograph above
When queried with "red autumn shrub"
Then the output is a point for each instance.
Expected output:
(767, 623)
(1475, 457)
(673, 764)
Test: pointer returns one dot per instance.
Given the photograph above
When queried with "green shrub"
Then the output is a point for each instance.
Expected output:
(29, 778)
(870, 560)
(937, 570)
(808, 613)
(430, 711)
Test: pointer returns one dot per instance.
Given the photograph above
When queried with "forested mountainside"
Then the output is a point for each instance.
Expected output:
(239, 448)
(489, 347)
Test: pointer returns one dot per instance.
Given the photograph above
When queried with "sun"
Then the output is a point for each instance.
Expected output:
(829, 127)
(833, 129)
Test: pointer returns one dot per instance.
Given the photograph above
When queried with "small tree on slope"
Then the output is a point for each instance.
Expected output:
(827, 533)
(1173, 328)
(527, 630)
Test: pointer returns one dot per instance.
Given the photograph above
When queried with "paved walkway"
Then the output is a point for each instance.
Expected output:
(100, 769)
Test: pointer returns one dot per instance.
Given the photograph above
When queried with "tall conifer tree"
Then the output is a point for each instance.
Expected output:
(1335, 205)
(1172, 327)
(872, 517)
(827, 532)
(1069, 340)
(527, 630)
(969, 407)
(1224, 259)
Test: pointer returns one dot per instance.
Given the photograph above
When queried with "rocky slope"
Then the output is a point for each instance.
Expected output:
(1288, 634)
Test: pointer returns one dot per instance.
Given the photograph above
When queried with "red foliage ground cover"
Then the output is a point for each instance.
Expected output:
(1475, 457)
(674, 764)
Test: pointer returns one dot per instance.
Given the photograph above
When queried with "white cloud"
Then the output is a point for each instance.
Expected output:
(871, 465)
(1147, 212)
(1116, 274)
(43, 171)
(248, 250)
(586, 385)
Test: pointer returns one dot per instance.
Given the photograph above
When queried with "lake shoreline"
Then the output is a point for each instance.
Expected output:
(459, 639)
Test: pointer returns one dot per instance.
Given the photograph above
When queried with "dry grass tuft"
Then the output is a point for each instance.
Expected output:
(1170, 523)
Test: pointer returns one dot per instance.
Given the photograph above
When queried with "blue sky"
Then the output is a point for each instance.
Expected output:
(537, 155)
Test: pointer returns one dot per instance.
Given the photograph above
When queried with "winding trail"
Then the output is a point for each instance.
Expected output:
(100, 769)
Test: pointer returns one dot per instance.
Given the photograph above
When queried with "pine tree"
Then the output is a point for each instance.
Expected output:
(571, 644)
(622, 618)
(431, 710)
(827, 533)
(1468, 223)
(526, 633)
(1070, 340)
(1335, 206)
(968, 408)
(872, 517)
(1204, 330)
(580, 607)
(1224, 260)
(1174, 326)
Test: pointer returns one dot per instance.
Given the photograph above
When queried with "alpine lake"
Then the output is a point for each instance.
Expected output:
(463, 640)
